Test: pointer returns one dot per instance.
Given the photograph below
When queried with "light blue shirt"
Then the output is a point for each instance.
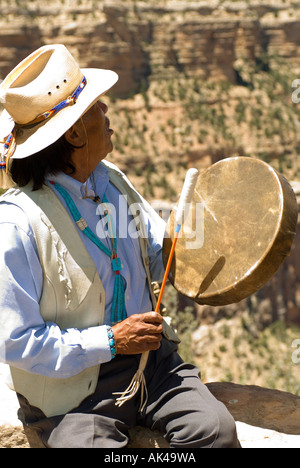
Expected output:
(29, 343)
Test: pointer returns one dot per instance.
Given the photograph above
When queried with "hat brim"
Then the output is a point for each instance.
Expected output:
(31, 140)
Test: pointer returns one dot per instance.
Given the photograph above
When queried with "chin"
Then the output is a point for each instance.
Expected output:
(111, 147)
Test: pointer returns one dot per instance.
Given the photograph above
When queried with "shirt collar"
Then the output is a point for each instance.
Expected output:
(77, 189)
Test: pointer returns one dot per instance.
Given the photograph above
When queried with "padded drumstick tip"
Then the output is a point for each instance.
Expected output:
(186, 194)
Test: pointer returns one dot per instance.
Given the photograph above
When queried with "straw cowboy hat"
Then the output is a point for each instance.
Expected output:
(44, 96)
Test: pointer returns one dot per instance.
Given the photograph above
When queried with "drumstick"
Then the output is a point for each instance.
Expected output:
(183, 207)
(138, 381)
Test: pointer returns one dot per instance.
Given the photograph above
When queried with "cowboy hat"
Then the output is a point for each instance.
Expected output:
(44, 96)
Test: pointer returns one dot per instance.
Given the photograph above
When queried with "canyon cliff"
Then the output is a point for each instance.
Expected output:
(151, 40)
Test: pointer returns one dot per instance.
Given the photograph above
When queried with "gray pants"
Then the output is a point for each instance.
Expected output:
(179, 405)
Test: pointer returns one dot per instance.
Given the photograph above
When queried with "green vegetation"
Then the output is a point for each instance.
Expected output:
(176, 121)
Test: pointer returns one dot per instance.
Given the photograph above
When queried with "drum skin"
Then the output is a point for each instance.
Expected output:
(248, 213)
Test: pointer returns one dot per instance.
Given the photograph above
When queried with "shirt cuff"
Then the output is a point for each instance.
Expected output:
(96, 344)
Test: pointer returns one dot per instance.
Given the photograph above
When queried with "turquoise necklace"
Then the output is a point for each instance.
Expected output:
(118, 310)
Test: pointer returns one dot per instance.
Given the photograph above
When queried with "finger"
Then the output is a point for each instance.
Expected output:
(152, 317)
(150, 338)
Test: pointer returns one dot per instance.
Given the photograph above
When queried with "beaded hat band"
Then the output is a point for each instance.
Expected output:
(70, 101)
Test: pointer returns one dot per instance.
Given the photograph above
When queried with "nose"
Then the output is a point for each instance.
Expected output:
(103, 106)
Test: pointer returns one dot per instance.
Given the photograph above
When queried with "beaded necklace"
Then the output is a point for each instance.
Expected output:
(118, 310)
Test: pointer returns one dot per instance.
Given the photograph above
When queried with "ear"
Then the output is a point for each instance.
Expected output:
(75, 136)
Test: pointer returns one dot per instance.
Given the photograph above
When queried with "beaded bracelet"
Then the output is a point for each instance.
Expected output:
(111, 341)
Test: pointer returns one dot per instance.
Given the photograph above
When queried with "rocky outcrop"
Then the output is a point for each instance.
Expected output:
(12, 437)
(152, 40)
(262, 407)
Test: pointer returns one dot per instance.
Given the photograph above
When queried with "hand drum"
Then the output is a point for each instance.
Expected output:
(238, 231)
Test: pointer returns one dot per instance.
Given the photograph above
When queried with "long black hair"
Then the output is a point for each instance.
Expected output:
(53, 159)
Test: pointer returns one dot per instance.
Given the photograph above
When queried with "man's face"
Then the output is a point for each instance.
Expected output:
(90, 137)
(98, 130)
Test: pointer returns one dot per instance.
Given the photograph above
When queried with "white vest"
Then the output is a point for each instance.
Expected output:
(73, 294)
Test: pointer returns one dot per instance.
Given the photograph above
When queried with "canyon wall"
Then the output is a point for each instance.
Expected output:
(152, 40)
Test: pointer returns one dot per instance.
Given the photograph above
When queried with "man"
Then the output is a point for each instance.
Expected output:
(79, 249)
